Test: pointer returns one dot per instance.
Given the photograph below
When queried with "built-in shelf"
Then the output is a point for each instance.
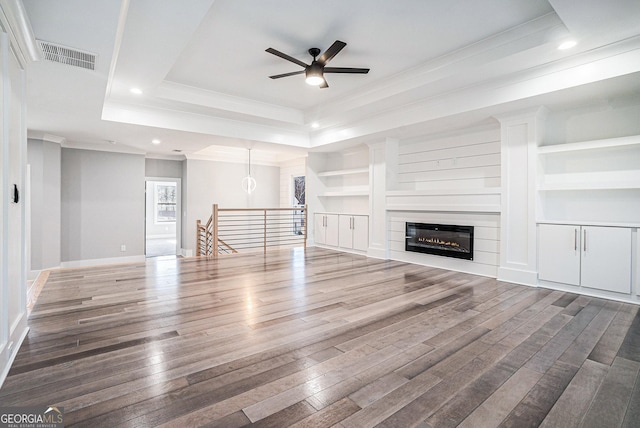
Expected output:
(342, 193)
(590, 223)
(598, 179)
(342, 172)
(448, 208)
(590, 145)
(441, 192)
(591, 181)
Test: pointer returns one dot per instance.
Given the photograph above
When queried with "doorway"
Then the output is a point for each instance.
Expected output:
(162, 224)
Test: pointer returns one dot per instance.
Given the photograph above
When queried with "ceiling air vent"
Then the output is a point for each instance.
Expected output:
(69, 56)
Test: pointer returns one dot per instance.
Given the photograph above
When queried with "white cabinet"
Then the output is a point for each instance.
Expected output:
(326, 229)
(354, 232)
(606, 258)
(587, 256)
(559, 253)
(347, 231)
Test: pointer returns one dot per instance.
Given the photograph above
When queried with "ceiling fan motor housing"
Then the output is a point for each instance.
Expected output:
(314, 52)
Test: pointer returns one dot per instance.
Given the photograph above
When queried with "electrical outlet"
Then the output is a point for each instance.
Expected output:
(123, 248)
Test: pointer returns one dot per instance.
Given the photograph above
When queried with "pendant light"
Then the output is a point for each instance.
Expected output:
(249, 183)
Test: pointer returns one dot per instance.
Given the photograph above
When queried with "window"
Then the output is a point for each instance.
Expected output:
(165, 202)
(298, 200)
(298, 191)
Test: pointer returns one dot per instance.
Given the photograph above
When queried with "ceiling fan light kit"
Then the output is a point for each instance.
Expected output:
(314, 72)
(314, 75)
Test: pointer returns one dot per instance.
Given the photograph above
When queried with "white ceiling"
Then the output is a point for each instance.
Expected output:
(202, 66)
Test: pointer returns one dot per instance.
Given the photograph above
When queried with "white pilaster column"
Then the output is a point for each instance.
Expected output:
(382, 174)
(521, 133)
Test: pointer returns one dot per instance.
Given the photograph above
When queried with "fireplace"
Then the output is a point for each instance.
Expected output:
(440, 239)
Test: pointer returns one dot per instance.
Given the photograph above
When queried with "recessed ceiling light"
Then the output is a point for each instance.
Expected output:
(155, 141)
(567, 45)
(136, 91)
(315, 125)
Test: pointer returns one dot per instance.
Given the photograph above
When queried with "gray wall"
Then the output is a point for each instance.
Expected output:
(163, 168)
(102, 205)
(44, 159)
(210, 182)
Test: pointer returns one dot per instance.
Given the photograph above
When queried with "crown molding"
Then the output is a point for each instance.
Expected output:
(16, 22)
(39, 135)
(216, 100)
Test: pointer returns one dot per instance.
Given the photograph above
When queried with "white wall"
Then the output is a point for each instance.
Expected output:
(614, 118)
(209, 183)
(44, 157)
(13, 162)
(163, 168)
(102, 206)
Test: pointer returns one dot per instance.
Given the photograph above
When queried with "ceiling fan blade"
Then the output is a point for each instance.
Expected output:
(346, 70)
(285, 56)
(323, 84)
(331, 52)
(293, 73)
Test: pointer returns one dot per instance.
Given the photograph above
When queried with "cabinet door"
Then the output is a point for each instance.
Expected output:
(331, 231)
(346, 231)
(559, 253)
(606, 258)
(360, 232)
(319, 229)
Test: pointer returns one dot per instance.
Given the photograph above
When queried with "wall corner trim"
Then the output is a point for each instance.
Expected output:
(14, 16)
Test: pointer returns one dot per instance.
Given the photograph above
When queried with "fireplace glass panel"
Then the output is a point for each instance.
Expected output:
(440, 239)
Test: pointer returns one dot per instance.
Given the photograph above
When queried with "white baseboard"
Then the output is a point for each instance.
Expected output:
(377, 253)
(33, 274)
(105, 261)
(517, 276)
(186, 253)
(7, 356)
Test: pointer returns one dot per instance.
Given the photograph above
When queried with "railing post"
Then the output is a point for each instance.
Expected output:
(214, 221)
(306, 226)
(265, 231)
(198, 242)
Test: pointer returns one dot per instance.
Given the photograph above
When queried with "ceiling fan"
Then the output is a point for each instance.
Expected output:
(314, 72)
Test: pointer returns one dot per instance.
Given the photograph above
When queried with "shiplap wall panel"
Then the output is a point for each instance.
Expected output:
(471, 138)
(451, 163)
(454, 162)
(448, 200)
(468, 183)
(450, 174)
(453, 152)
(456, 181)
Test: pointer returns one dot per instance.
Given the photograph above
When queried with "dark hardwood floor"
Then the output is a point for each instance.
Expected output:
(321, 338)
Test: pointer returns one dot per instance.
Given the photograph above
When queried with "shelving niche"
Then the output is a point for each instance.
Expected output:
(345, 182)
(590, 181)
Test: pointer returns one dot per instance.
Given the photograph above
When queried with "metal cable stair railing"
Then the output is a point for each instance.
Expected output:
(251, 229)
